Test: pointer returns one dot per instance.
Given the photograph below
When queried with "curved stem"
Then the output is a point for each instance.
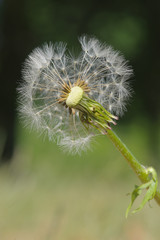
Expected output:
(138, 168)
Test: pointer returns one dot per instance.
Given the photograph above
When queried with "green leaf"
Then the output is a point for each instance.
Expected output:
(136, 192)
(148, 196)
(151, 187)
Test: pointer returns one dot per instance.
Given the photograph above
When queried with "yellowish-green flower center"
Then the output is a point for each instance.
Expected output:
(74, 96)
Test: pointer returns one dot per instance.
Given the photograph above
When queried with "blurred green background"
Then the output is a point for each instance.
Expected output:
(44, 193)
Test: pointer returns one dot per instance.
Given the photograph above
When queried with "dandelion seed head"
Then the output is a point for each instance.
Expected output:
(51, 73)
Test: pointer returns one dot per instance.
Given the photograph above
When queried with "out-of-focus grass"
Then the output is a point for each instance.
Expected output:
(49, 195)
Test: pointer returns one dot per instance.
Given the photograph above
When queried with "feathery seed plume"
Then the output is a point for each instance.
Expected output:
(72, 98)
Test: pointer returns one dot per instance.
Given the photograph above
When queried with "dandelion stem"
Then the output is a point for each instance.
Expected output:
(138, 168)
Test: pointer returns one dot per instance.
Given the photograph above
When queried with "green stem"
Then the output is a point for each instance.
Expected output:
(139, 169)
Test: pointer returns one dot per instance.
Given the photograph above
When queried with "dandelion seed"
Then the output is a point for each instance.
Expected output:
(73, 98)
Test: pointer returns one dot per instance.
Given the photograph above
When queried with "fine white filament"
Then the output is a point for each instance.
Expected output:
(47, 68)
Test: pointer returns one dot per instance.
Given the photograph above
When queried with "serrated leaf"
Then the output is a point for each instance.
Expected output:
(151, 186)
(148, 196)
(136, 192)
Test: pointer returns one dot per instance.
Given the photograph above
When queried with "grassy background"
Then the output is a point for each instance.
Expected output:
(48, 195)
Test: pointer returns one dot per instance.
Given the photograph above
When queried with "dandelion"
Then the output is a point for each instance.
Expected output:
(71, 97)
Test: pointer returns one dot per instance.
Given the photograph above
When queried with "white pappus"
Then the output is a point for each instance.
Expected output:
(71, 97)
